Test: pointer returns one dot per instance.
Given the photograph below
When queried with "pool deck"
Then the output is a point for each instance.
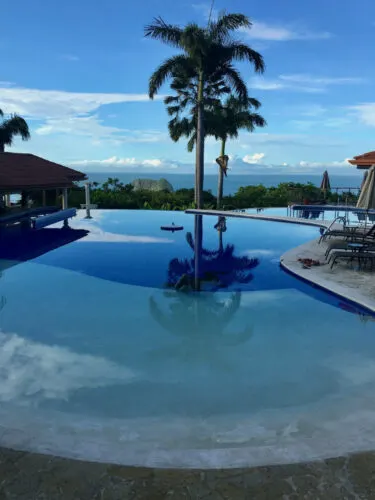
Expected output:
(260, 216)
(343, 280)
(31, 476)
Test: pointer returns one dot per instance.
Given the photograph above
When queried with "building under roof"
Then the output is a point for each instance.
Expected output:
(26, 172)
(364, 161)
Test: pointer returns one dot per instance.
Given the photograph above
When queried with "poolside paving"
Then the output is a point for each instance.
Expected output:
(345, 280)
(31, 476)
(260, 216)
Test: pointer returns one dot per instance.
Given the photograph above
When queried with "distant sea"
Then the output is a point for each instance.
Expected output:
(232, 182)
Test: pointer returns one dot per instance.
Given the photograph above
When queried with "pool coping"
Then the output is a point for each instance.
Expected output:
(272, 218)
(289, 261)
(321, 283)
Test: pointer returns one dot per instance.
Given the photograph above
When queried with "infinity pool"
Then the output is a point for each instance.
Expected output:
(102, 358)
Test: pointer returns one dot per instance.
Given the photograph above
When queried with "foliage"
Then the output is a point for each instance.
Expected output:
(114, 194)
(11, 127)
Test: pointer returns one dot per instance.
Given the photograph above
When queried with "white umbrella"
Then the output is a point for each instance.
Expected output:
(366, 199)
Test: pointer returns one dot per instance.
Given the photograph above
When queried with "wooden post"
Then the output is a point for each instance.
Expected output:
(65, 199)
(88, 201)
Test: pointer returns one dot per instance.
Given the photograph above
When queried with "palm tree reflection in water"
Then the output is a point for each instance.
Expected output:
(210, 269)
(196, 313)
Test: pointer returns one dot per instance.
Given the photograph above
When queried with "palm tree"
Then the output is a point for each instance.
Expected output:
(11, 127)
(226, 122)
(212, 269)
(207, 55)
(182, 107)
(221, 120)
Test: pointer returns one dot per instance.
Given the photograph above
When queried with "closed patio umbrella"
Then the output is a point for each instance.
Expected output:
(325, 185)
(366, 199)
(365, 175)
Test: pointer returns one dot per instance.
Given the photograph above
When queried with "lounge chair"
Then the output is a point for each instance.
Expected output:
(368, 245)
(349, 232)
(363, 257)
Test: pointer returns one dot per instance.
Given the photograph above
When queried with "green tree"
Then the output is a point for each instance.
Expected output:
(11, 127)
(207, 56)
(227, 120)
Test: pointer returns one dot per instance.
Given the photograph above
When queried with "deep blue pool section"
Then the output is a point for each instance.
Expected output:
(209, 254)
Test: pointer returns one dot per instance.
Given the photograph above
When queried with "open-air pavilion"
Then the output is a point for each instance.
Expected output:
(364, 161)
(28, 173)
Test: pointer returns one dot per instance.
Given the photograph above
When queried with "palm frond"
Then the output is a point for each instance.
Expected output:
(173, 110)
(167, 33)
(170, 99)
(191, 143)
(254, 102)
(180, 128)
(236, 82)
(164, 71)
(242, 52)
(16, 125)
(226, 23)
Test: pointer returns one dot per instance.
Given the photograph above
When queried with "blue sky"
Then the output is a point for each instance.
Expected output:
(78, 71)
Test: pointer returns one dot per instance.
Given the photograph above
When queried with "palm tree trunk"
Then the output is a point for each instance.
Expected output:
(198, 243)
(199, 161)
(220, 186)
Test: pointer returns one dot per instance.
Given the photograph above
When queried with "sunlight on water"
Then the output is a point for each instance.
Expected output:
(102, 358)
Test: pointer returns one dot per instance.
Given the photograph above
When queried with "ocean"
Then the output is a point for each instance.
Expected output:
(233, 182)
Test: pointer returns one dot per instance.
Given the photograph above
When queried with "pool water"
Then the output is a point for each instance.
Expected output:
(102, 358)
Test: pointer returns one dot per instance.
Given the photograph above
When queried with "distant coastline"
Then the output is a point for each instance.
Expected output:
(233, 182)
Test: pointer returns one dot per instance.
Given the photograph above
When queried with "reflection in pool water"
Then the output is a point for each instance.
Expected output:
(102, 358)
(209, 269)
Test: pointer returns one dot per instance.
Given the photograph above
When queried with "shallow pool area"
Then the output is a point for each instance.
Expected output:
(124, 343)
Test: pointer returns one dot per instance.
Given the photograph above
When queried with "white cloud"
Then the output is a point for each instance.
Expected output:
(130, 163)
(92, 126)
(74, 113)
(276, 33)
(57, 104)
(365, 113)
(32, 371)
(262, 139)
(324, 81)
(332, 164)
(302, 82)
(264, 31)
(253, 159)
(334, 122)
(152, 163)
(312, 110)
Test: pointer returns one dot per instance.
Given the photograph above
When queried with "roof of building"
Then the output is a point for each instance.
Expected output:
(364, 161)
(26, 171)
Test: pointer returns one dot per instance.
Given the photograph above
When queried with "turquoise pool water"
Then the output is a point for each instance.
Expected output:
(101, 358)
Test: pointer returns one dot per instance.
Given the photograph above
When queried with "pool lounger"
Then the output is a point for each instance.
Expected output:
(349, 232)
(47, 220)
(362, 256)
(336, 245)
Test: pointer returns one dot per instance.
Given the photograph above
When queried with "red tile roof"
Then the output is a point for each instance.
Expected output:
(26, 171)
(365, 160)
